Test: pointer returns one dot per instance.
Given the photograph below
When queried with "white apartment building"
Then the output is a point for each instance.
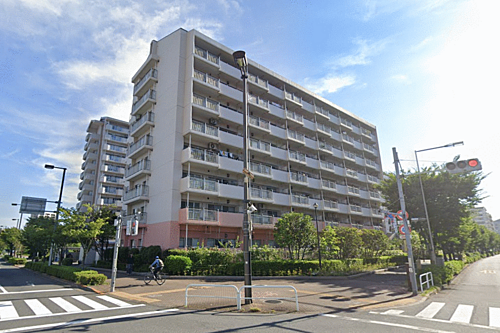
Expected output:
(481, 216)
(104, 161)
(186, 132)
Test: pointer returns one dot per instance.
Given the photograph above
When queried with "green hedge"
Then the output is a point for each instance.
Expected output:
(178, 265)
(17, 261)
(87, 277)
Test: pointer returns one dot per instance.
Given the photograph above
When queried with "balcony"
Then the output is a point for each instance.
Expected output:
(111, 127)
(351, 173)
(203, 214)
(261, 194)
(259, 102)
(142, 124)
(137, 170)
(300, 178)
(373, 179)
(355, 209)
(207, 80)
(294, 117)
(261, 169)
(321, 128)
(330, 205)
(369, 148)
(347, 139)
(291, 97)
(296, 156)
(204, 155)
(322, 112)
(349, 155)
(346, 123)
(200, 127)
(206, 104)
(115, 159)
(259, 123)
(146, 82)
(203, 185)
(331, 167)
(260, 146)
(207, 56)
(295, 136)
(136, 194)
(146, 101)
(146, 142)
(371, 164)
(299, 200)
(352, 190)
(115, 148)
(113, 169)
(328, 185)
(257, 82)
(325, 147)
(259, 219)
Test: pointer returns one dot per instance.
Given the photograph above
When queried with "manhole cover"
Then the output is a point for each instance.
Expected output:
(274, 301)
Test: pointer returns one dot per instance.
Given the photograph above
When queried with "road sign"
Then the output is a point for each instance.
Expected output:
(402, 230)
(248, 173)
(400, 215)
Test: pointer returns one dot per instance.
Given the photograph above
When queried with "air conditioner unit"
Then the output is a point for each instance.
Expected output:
(213, 145)
(213, 121)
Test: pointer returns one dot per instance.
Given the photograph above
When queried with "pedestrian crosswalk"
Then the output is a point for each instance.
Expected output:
(26, 308)
(461, 313)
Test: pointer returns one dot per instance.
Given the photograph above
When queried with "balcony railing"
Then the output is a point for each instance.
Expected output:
(353, 190)
(351, 173)
(328, 204)
(206, 102)
(260, 168)
(355, 208)
(375, 195)
(292, 97)
(206, 55)
(329, 184)
(349, 155)
(203, 155)
(369, 148)
(146, 140)
(136, 192)
(152, 73)
(294, 116)
(296, 135)
(261, 194)
(323, 128)
(252, 120)
(151, 94)
(346, 122)
(262, 219)
(114, 128)
(325, 146)
(203, 184)
(150, 116)
(322, 111)
(372, 179)
(258, 101)
(298, 177)
(260, 145)
(370, 163)
(140, 166)
(295, 155)
(300, 199)
(206, 78)
(347, 138)
(201, 127)
(257, 80)
(202, 214)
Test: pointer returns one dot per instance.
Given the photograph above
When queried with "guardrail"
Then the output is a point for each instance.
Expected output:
(429, 280)
(238, 297)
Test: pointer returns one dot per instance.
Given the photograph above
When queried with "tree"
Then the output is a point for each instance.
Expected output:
(448, 198)
(11, 237)
(374, 242)
(37, 235)
(101, 242)
(329, 243)
(295, 232)
(350, 242)
(83, 227)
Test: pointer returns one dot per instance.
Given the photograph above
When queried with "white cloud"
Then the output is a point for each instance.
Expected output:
(361, 56)
(401, 78)
(330, 84)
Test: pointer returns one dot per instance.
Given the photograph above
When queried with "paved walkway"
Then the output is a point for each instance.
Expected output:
(379, 289)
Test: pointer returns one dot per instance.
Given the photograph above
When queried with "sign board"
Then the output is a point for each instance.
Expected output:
(30, 205)
(400, 215)
(402, 230)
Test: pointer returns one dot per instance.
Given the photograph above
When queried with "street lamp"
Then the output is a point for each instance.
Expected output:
(20, 219)
(242, 63)
(50, 166)
(433, 251)
(317, 232)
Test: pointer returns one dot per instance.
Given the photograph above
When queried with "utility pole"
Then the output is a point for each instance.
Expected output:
(411, 263)
(118, 223)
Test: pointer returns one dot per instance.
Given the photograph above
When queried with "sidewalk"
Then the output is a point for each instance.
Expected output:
(379, 289)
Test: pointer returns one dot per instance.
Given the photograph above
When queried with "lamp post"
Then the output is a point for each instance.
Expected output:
(317, 232)
(242, 63)
(433, 250)
(50, 166)
(118, 224)
(20, 218)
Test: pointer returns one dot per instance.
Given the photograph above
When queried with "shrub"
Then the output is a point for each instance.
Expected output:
(178, 265)
(7, 257)
(89, 278)
(67, 262)
(17, 261)
(74, 274)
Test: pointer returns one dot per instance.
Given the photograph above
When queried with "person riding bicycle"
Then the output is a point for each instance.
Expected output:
(158, 265)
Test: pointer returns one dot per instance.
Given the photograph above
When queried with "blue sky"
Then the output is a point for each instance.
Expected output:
(424, 72)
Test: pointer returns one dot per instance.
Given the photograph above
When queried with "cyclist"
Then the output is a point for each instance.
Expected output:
(158, 265)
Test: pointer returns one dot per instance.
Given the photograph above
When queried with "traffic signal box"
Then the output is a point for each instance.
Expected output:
(469, 165)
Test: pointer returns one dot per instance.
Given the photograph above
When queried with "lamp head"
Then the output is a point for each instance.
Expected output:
(315, 205)
(251, 209)
(241, 61)
(49, 166)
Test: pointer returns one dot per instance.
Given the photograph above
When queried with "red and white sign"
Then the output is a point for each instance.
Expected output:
(400, 215)
(402, 230)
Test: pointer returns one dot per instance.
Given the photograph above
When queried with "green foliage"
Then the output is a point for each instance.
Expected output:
(329, 243)
(266, 253)
(37, 235)
(178, 265)
(350, 242)
(89, 278)
(67, 261)
(17, 261)
(68, 273)
(296, 233)
(11, 237)
(375, 242)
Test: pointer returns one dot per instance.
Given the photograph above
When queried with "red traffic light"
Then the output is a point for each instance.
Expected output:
(473, 162)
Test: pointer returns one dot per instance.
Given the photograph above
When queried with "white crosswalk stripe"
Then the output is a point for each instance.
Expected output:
(77, 305)
(462, 313)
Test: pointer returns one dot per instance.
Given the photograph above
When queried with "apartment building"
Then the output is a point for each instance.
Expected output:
(104, 161)
(481, 216)
(185, 180)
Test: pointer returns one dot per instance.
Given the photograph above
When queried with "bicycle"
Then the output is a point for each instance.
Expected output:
(160, 279)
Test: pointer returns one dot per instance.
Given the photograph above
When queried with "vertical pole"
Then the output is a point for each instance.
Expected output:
(317, 234)
(411, 264)
(57, 217)
(433, 251)
(115, 253)
(246, 229)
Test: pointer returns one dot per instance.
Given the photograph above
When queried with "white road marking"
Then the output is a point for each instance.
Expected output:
(86, 321)
(64, 304)
(393, 312)
(463, 313)
(91, 303)
(37, 307)
(7, 310)
(36, 291)
(416, 328)
(495, 317)
(431, 310)
(2, 289)
(113, 300)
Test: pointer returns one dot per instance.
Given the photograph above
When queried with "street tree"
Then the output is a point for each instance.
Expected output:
(101, 243)
(448, 197)
(82, 227)
(375, 242)
(11, 237)
(296, 233)
(329, 243)
(350, 242)
(37, 235)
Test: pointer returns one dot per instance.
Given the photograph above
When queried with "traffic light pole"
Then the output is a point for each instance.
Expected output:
(115, 253)
(411, 263)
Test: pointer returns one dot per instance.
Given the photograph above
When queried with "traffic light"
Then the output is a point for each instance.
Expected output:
(134, 230)
(469, 165)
